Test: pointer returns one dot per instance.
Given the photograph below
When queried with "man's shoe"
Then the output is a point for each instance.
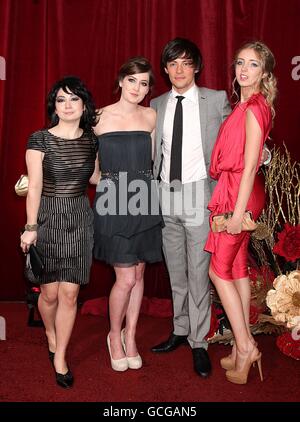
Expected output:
(201, 360)
(171, 344)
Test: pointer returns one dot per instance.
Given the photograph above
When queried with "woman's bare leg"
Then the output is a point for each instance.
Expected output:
(133, 310)
(47, 304)
(64, 322)
(118, 304)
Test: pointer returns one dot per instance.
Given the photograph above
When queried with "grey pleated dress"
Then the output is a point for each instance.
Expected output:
(124, 238)
(65, 219)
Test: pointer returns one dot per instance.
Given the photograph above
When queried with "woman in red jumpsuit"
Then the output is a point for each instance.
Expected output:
(234, 163)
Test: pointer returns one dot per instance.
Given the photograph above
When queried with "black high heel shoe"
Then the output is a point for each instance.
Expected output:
(64, 380)
(51, 356)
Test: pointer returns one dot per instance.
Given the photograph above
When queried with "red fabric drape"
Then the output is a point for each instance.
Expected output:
(42, 40)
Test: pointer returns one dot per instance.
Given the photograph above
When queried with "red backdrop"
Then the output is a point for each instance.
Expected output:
(42, 40)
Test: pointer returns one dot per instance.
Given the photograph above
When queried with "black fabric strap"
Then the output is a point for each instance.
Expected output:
(176, 149)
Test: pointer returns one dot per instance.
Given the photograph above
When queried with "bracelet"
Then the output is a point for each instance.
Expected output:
(31, 227)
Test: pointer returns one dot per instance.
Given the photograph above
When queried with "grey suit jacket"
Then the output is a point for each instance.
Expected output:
(214, 107)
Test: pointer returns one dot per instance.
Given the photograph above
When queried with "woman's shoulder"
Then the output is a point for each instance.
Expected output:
(37, 140)
(110, 108)
(38, 134)
(104, 112)
(149, 113)
(37, 137)
(148, 110)
(258, 105)
(257, 101)
(148, 117)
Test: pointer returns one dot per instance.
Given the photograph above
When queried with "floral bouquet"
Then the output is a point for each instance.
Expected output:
(275, 247)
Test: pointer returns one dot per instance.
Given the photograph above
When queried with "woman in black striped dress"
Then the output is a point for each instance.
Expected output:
(60, 161)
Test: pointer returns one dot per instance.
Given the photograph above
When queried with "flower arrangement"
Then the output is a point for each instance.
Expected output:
(276, 249)
(284, 299)
(276, 242)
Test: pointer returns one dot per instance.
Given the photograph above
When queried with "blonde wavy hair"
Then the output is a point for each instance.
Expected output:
(268, 84)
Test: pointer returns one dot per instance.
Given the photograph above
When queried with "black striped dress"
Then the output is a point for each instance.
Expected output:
(65, 219)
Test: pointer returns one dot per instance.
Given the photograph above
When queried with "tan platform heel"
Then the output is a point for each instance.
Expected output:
(241, 377)
(227, 362)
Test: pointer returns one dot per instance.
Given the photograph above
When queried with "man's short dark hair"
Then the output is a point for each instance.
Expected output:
(182, 47)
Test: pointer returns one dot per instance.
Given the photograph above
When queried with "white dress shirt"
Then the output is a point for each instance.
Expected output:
(193, 165)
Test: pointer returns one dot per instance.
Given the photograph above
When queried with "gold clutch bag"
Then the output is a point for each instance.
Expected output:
(21, 187)
(219, 222)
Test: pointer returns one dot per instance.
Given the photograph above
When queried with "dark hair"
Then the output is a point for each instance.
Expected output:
(182, 47)
(72, 84)
(132, 66)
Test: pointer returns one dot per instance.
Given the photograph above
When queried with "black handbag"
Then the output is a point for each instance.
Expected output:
(34, 265)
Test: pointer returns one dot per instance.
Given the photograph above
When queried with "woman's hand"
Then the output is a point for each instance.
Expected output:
(27, 239)
(234, 225)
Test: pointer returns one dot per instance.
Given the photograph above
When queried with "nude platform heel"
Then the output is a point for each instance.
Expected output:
(117, 364)
(228, 362)
(134, 362)
(241, 377)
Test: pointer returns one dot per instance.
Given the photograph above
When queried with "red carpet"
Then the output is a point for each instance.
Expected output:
(26, 374)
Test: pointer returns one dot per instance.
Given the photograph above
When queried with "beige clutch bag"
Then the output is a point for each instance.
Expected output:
(21, 187)
(219, 222)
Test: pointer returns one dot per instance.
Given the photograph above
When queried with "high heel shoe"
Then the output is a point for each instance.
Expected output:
(64, 380)
(241, 377)
(228, 362)
(116, 364)
(51, 356)
(134, 362)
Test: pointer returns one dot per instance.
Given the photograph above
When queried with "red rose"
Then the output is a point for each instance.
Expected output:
(288, 244)
(288, 346)
(214, 323)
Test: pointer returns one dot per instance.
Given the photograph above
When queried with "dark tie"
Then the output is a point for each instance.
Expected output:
(176, 148)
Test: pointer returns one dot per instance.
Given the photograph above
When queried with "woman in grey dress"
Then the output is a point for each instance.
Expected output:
(60, 161)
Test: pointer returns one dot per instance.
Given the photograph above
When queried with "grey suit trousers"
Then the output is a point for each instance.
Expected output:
(184, 235)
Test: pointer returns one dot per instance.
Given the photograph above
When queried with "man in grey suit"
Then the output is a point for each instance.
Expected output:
(184, 154)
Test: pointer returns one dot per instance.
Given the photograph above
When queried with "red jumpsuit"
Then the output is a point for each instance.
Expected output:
(229, 252)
